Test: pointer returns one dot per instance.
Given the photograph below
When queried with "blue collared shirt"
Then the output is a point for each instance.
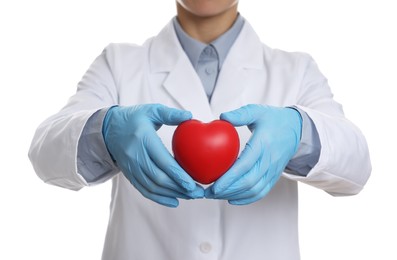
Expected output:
(207, 59)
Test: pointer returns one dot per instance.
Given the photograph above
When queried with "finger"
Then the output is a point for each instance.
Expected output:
(249, 157)
(151, 188)
(246, 194)
(140, 168)
(153, 172)
(237, 191)
(197, 193)
(249, 182)
(166, 163)
(256, 174)
(208, 193)
(157, 193)
(169, 201)
(245, 115)
(156, 181)
(169, 116)
(258, 196)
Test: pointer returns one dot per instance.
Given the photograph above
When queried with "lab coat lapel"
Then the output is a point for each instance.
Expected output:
(181, 82)
(239, 72)
(185, 86)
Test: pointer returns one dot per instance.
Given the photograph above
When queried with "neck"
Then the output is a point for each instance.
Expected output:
(206, 29)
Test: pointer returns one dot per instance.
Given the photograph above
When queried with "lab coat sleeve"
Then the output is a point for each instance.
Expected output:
(344, 163)
(54, 148)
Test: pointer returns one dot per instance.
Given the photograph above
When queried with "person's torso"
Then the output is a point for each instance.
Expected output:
(204, 229)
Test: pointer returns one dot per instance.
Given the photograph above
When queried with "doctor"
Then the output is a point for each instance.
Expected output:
(206, 63)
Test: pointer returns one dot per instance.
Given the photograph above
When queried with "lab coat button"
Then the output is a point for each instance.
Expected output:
(205, 247)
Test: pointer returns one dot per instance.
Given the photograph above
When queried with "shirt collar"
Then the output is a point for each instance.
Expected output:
(193, 48)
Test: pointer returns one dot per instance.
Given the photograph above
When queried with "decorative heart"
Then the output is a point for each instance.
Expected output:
(205, 150)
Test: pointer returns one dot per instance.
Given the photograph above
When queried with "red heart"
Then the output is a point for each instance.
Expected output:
(205, 150)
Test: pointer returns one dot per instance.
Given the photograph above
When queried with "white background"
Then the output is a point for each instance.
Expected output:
(46, 46)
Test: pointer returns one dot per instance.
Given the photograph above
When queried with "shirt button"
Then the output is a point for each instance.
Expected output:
(205, 247)
(209, 70)
(208, 50)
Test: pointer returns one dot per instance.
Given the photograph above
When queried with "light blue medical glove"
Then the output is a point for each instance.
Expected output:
(131, 139)
(276, 134)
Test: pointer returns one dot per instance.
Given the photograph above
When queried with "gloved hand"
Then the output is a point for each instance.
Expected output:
(276, 134)
(131, 139)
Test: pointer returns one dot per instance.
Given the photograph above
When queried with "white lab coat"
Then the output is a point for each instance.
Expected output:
(160, 72)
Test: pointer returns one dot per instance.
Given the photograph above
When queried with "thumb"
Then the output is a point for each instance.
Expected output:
(169, 116)
(245, 115)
